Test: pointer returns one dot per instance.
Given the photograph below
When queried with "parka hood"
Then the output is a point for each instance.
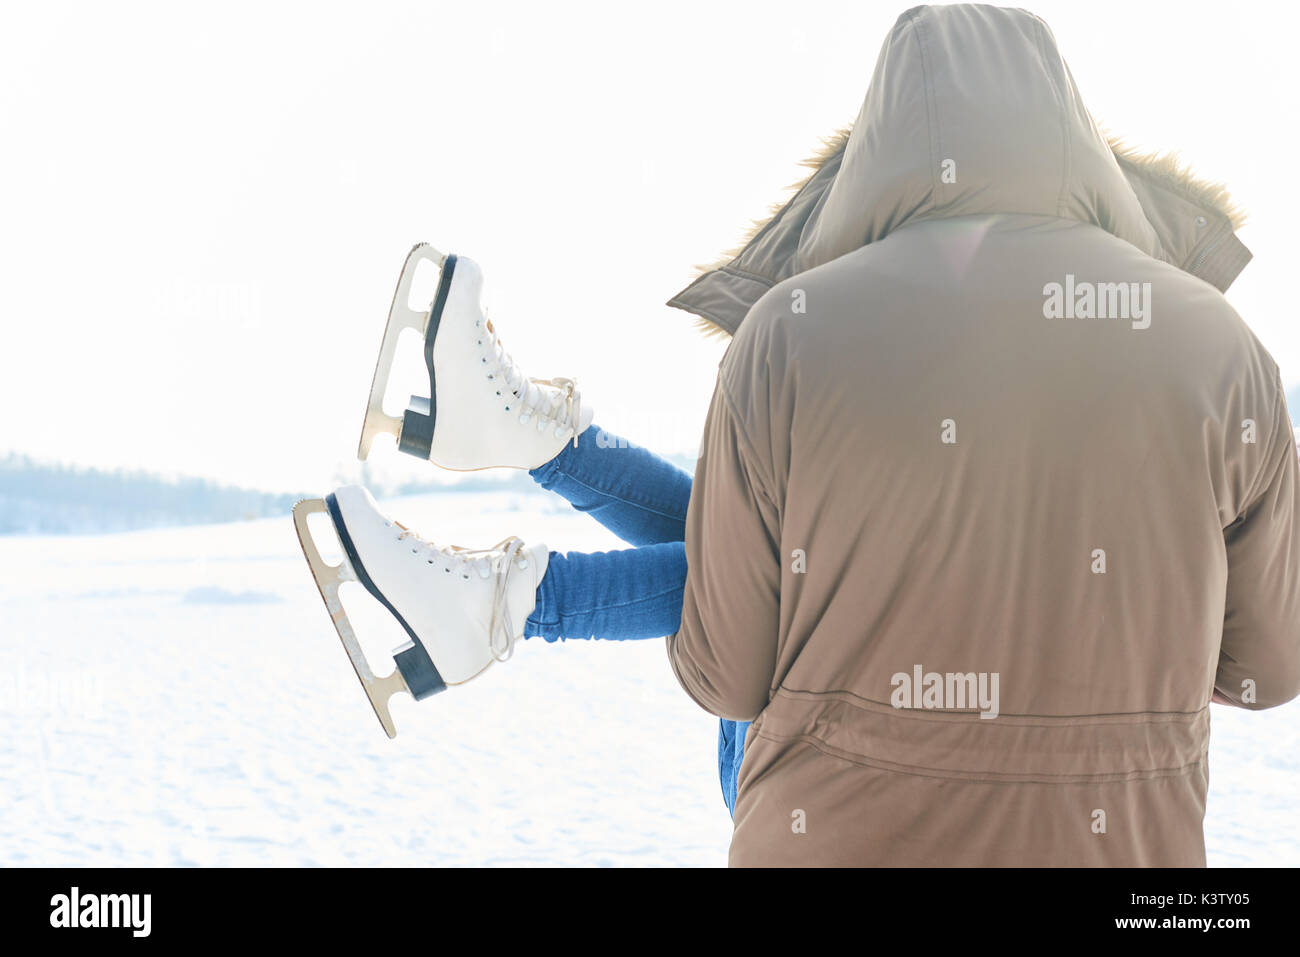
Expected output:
(971, 110)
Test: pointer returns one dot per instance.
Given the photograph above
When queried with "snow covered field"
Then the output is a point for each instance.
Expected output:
(178, 697)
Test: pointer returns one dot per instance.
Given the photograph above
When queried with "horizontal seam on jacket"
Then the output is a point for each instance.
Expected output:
(991, 777)
(938, 715)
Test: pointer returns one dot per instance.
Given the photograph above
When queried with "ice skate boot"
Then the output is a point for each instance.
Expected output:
(463, 609)
(481, 411)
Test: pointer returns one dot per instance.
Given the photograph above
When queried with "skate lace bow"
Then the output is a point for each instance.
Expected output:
(500, 561)
(560, 405)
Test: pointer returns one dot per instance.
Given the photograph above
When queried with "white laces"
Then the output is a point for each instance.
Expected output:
(499, 560)
(559, 407)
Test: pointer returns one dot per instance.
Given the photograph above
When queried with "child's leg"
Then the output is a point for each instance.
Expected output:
(622, 595)
(638, 496)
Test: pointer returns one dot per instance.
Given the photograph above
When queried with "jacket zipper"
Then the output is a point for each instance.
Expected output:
(1205, 254)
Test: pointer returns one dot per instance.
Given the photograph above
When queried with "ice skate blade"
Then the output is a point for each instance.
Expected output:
(400, 317)
(328, 579)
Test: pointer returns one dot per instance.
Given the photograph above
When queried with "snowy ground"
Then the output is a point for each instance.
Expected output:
(178, 697)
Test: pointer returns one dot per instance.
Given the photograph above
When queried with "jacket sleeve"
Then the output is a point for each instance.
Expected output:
(724, 655)
(1259, 658)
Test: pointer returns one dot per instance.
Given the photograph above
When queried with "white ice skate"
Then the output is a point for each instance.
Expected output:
(481, 411)
(463, 609)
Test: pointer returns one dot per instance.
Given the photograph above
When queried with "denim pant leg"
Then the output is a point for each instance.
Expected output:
(634, 493)
(623, 595)
(619, 595)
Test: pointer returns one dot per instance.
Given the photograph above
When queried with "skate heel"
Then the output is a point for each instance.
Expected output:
(401, 317)
(416, 437)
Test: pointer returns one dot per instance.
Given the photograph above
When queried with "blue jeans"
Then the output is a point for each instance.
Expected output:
(632, 593)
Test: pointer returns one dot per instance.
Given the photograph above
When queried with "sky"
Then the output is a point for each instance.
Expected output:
(204, 208)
